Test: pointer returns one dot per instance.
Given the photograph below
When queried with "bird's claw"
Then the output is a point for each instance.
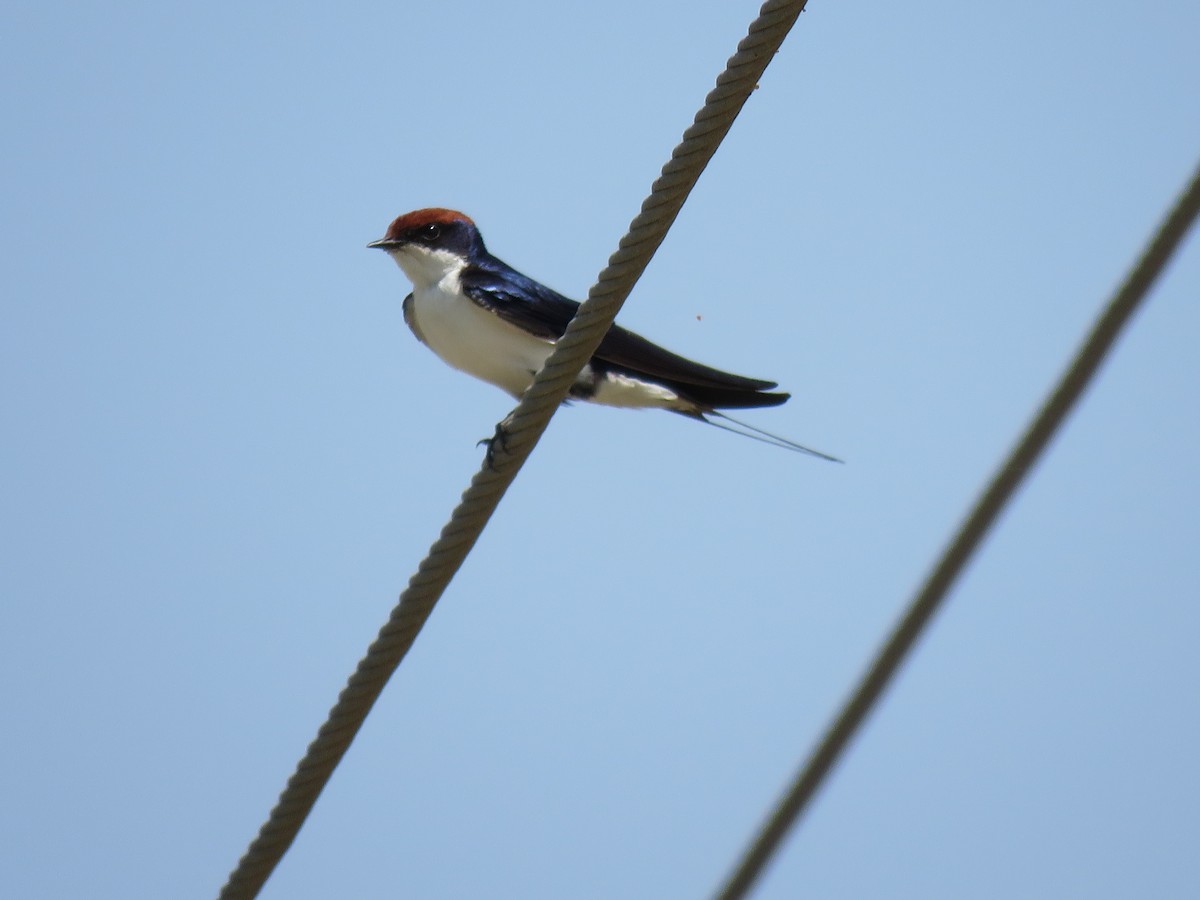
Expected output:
(498, 439)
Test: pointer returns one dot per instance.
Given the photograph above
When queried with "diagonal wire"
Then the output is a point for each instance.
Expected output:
(523, 427)
(971, 533)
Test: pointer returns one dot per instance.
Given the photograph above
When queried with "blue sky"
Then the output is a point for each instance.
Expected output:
(225, 454)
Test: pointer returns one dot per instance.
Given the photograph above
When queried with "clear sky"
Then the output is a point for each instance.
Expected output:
(224, 454)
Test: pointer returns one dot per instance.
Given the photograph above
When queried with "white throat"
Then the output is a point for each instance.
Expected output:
(428, 268)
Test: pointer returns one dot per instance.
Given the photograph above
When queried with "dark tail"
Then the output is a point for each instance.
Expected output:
(711, 397)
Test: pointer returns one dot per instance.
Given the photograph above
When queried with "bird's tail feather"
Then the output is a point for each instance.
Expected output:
(728, 423)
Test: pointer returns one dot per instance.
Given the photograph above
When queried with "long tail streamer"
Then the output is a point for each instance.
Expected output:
(745, 429)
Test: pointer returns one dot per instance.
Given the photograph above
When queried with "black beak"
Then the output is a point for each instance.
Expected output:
(384, 244)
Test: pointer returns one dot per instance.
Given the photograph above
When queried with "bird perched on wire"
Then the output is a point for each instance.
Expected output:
(482, 316)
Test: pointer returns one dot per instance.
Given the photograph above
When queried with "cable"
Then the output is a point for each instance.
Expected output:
(523, 427)
(970, 535)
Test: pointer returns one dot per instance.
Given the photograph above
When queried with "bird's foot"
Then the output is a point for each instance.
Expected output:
(498, 440)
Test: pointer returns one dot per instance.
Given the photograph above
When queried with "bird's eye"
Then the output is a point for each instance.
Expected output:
(430, 233)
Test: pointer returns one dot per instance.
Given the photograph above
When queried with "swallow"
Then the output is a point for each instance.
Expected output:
(483, 317)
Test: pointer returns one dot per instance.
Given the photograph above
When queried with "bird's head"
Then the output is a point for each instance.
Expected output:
(430, 244)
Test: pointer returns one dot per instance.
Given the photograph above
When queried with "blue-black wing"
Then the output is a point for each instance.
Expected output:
(544, 313)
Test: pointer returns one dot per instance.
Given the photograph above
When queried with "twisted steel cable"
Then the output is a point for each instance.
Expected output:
(1000, 490)
(523, 428)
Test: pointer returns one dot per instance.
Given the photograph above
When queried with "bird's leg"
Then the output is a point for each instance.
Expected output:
(498, 439)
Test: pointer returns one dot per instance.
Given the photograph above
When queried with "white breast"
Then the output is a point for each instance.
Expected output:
(480, 343)
(477, 341)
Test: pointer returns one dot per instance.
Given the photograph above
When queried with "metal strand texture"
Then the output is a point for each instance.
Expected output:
(524, 427)
(967, 540)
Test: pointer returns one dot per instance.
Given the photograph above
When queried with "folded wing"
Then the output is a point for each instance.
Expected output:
(545, 313)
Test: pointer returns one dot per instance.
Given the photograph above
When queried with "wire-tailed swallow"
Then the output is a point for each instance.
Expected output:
(485, 318)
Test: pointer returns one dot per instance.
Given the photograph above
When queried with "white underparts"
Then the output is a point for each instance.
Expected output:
(480, 343)
(623, 390)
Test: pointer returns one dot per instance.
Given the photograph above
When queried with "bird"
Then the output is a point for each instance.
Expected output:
(483, 317)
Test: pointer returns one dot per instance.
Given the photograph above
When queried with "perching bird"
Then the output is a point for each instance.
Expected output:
(485, 318)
